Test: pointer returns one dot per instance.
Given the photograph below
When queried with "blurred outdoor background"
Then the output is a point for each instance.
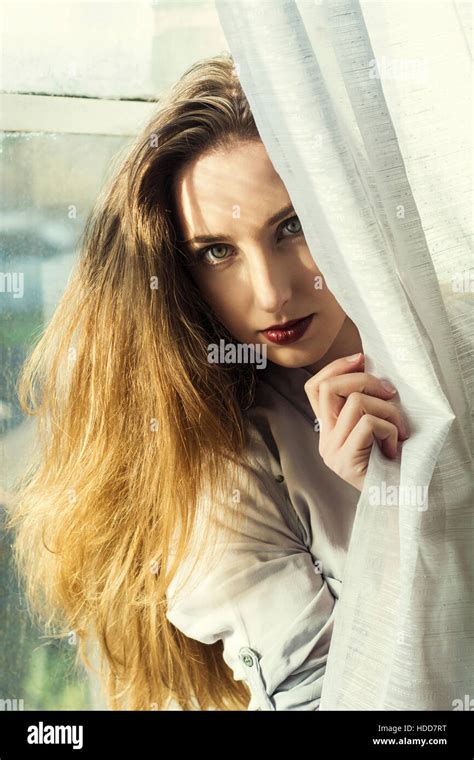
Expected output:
(77, 81)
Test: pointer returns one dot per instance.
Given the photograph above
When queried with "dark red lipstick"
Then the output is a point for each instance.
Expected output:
(288, 332)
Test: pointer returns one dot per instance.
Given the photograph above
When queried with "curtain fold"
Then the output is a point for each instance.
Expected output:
(365, 110)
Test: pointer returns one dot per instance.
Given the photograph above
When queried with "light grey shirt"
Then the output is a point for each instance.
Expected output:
(272, 599)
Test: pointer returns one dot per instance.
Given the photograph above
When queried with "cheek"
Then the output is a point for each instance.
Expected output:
(324, 296)
(225, 298)
(206, 287)
(332, 303)
(210, 289)
(309, 278)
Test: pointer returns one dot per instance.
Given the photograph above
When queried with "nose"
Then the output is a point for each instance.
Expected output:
(270, 281)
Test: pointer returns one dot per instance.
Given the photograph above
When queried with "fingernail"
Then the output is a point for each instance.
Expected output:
(388, 386)
(354, 357)
(405, 433)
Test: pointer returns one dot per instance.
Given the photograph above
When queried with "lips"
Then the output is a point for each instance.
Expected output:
(284, 325)
(289, 332)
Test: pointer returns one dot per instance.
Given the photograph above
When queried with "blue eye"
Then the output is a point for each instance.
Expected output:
(202, 253)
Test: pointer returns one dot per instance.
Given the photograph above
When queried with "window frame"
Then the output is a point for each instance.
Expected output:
(62, 114)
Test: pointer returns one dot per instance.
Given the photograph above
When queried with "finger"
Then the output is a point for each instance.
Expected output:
(339, 366)
(334, 392)
(359, 404)
(368, 429)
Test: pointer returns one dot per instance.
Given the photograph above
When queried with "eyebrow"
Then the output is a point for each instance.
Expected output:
(215, 238)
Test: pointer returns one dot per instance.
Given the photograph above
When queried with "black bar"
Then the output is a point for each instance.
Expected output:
(301, 734)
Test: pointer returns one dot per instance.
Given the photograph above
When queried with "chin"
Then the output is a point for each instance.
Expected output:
(293, 358)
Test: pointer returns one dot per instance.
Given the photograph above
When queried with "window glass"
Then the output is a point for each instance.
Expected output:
(104, 49)
(49, 184)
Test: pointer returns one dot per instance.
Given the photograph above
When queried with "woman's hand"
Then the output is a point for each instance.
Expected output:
(353, 410)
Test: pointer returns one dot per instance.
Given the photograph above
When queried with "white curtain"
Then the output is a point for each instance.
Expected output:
(365, 110)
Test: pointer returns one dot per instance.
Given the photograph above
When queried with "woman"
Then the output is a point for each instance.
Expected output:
(154, 454)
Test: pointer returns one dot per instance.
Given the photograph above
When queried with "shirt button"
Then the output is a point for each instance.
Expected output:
(279, 478)
(247, 660)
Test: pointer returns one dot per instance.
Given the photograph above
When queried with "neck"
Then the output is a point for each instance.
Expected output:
(347, 342)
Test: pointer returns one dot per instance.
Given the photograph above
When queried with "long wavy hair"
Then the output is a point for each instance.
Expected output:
(133, 423)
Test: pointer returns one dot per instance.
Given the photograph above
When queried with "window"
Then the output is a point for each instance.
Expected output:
(78, 81)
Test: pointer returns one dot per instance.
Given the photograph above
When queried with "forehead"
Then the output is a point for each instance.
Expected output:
(226, 186)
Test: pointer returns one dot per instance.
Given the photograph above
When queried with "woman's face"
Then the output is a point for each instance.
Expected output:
(254, 271)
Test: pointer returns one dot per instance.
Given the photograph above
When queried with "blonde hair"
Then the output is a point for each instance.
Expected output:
(133, 421)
